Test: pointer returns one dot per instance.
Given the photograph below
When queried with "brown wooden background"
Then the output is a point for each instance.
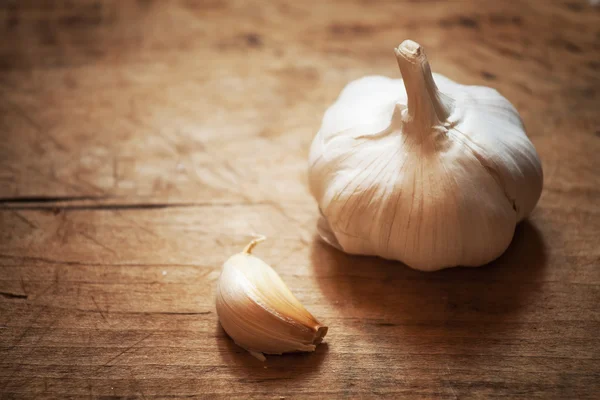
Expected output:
(143, 142)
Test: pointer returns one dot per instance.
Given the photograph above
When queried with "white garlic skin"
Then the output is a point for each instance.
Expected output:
(259, 312)
(436, 179)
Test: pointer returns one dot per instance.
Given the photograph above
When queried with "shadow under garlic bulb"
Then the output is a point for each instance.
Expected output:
(422, 170)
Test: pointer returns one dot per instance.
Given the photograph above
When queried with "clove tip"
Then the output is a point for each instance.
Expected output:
(253, 243)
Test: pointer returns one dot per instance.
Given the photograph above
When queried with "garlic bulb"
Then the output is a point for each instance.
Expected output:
(259, 312)
(422, 170)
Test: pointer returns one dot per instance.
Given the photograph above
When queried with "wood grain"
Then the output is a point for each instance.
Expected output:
(144, 142)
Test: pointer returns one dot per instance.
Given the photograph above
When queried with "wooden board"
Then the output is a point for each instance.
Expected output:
(144, 142)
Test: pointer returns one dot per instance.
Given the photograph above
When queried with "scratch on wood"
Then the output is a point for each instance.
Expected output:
(448, 374)
(289, 255)
(22, 284)
(33, 347)
(127, 349)
(96, 242)
(115, 172)
(25, 220)
(52, 176)
(62, 231)
(133, 222)
(30, 325)
(134, 117)
(56, 280)
(53, 285)
(137, 384)
(89, 185)
(282, 211)
(34, 124)
(89, 386)
(232, 171)
(100, 311)
(90, 369)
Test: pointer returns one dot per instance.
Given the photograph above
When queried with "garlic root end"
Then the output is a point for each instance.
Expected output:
(259, 356)
(320, 334)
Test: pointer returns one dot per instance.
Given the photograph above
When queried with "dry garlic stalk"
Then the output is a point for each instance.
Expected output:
(259, 312)
(422, 170)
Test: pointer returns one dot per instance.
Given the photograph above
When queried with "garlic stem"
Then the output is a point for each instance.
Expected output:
(427, 107)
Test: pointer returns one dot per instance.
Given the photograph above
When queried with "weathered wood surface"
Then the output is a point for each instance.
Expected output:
(143, 142)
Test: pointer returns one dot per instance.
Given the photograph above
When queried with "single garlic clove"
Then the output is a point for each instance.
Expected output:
(259, 312)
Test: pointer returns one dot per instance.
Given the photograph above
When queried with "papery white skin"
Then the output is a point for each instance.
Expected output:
(259, 312)
(436, 179)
